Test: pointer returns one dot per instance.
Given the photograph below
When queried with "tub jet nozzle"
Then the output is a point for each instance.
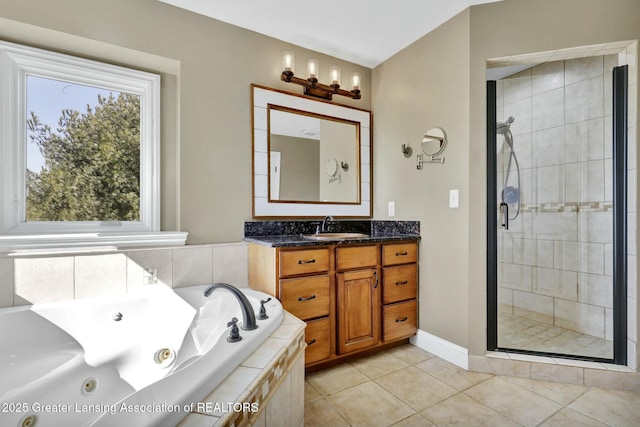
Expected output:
(28, 421)
(89, 386)
(164, 357)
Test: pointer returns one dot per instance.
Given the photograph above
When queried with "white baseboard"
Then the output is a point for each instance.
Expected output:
(444, 349)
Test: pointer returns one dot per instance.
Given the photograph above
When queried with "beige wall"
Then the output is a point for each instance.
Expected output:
(440, 81)
(430, 80)
(206, 169)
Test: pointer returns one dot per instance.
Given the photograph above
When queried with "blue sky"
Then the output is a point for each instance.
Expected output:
(47, 98)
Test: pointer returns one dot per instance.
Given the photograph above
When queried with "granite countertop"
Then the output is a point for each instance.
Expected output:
(292, 233)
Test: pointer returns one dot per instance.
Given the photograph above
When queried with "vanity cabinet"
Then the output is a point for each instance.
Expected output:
(353, 297)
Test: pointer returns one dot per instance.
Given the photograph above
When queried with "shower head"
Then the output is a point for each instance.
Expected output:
(503, 127)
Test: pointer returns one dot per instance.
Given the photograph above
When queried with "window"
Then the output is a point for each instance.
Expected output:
(80, 145)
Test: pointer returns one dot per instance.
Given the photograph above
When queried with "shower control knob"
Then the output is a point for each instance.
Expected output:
(263, 311)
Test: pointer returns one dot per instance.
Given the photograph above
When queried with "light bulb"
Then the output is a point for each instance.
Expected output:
(287, 61)
(355, 81)
(312, 68)
(334, 72)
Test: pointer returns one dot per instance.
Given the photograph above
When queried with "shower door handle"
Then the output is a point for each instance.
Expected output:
(504, 212)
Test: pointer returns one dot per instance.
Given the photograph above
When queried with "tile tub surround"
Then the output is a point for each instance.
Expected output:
(47, 278)
(272, 378)
(289, 233)
(556, 260)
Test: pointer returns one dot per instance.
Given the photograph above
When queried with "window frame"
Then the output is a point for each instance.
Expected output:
(18, 61)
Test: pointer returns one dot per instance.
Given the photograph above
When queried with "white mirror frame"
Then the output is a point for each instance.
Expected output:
(261, 97)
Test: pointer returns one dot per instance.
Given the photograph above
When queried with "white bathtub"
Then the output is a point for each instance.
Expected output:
(141, 359)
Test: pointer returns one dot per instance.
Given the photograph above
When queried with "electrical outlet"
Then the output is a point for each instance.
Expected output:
(454, 196)
(392, 208)
(150, 276)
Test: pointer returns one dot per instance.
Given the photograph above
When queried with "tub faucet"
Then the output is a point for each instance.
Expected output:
(248, 315)
(324, 223)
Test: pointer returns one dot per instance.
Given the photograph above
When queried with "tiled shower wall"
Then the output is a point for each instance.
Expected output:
(555, 262)
(37, 279)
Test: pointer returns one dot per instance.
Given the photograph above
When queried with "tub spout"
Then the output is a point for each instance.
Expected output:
(248, 315)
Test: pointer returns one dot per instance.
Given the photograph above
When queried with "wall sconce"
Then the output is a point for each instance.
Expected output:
(312, 86)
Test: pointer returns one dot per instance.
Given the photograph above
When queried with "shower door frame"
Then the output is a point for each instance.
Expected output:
(620, 98)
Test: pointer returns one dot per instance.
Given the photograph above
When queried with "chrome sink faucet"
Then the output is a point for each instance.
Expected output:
(248, 315)
(324, 223)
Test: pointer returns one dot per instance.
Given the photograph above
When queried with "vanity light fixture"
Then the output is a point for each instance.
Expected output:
(312, 86)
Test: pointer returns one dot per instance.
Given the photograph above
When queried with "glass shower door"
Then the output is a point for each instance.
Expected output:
(554, 194)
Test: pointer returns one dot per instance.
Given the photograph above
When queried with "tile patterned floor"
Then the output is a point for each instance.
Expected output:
(407, 386)
(519, 332)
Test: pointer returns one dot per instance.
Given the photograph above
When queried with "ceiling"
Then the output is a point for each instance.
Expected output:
(364, 32)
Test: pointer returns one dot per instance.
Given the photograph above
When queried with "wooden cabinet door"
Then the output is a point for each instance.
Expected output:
(317, 335)
(358, 309)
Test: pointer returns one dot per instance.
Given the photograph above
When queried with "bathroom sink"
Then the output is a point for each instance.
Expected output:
(335, 236)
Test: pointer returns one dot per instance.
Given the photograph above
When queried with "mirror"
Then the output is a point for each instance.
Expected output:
(303, 150)
(433, 145)
(311, 158)
(332, 167)
(434, 142)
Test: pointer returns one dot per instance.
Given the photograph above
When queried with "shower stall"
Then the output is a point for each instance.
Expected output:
(556, 210)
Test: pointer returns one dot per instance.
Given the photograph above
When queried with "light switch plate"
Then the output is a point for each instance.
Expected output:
(392, 208)
(454, 198)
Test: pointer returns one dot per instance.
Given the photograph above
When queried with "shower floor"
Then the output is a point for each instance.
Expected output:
(521, 333)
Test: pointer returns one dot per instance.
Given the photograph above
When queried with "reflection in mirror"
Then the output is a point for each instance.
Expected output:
(309, 147)
(332, 167)
(434, 142)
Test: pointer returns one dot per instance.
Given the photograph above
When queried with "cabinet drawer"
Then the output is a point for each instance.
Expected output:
(356, 257)
(317, 336)
(399, 320)
(401, 253)
(399, 283)
(306, 297)
(305, 261)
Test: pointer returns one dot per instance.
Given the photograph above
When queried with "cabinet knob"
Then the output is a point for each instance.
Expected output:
(313, 341)
(404, 282)
(306, 261)
(402, 253)
(307, 298)
(402, 319)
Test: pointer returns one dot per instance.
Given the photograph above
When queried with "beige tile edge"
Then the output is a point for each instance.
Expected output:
(530, 366)
(266, 382)
(560, 370)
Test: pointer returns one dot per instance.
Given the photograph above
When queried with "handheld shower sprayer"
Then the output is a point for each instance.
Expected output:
(510, 194)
